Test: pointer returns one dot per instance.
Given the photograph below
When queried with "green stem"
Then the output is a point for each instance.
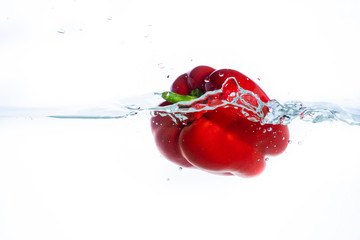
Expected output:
(196, 93)
(175, 98)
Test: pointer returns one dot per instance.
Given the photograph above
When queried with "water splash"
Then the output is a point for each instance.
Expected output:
(276, 113)
(310, 112)
(246, 102)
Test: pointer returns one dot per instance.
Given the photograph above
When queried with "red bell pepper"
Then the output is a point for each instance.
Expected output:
(221, 140)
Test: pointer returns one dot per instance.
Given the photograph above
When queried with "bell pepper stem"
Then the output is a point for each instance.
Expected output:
(175, 98)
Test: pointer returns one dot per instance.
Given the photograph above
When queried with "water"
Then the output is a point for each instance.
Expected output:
(278, 113)
(75, 173)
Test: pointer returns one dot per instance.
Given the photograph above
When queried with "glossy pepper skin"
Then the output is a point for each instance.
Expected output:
(222, 140)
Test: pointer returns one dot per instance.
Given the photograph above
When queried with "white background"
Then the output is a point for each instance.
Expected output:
(104, 179)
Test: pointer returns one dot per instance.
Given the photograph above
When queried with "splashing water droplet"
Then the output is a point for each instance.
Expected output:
(61, 30)
(161, 65)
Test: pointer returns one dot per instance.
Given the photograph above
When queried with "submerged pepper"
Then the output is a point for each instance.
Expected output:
(225, 139)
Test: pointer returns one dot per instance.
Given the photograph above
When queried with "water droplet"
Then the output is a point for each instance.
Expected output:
(167, 179)
(221, 74)
(180, 168)
(289, 141)
(258, 79)
(283, 138)
(258, 160)
(161, 65)
(264, 131)
(61, 30)
(269, 129)
(266, 159)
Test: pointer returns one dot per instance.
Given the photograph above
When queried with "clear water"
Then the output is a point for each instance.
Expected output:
(279, 113)
(100, 178)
